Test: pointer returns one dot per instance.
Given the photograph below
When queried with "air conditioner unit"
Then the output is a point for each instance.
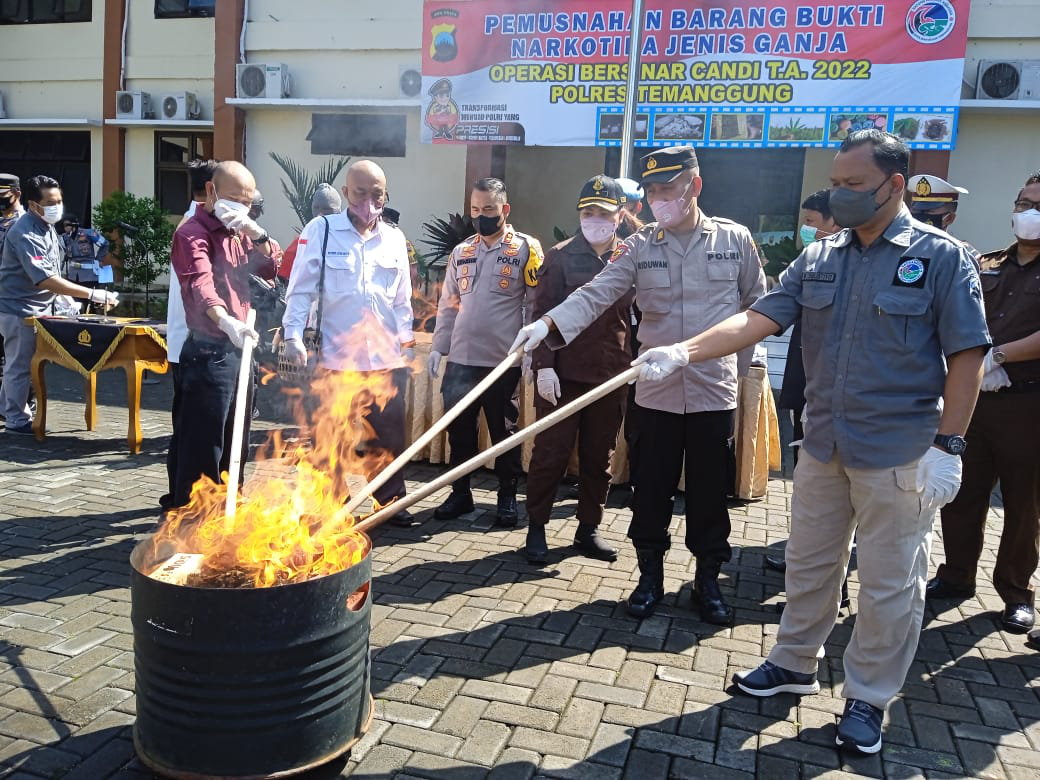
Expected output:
(180, 106)
(270, 81)
(133, 105)
(410, 81)
(1008, 80)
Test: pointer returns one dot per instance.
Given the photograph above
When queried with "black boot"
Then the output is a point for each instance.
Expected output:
(459, 503)
(650, 589)
(537, 549)
(506, 513)
(708, 598)
(589, 542)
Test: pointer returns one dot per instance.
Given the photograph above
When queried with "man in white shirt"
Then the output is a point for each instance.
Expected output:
(366, 320)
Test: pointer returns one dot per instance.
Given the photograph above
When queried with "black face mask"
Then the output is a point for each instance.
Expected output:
(488, 226)
(6, 204)
(935, 220)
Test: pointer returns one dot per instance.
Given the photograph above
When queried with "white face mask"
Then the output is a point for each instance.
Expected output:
(1026, 224)
(597, 230)
(225, 209)
(52, 214)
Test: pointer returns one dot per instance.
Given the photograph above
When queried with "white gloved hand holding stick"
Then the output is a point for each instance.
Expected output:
(531, 336)
(549, 385)
(236, 330)
(938, 477)
(659, 362)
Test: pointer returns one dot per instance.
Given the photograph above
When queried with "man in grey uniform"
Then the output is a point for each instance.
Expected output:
(690, 271)
(483, 301)
(894, 337)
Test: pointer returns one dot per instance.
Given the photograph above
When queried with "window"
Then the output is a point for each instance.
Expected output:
(181, 9)
(61, 154)
(173, 152)
(44, 11)
(361, 135)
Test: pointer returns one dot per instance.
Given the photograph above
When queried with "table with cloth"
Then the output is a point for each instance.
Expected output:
(90, 344)
(757, 441)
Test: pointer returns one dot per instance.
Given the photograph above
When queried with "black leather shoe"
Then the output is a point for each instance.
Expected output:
(589, 542)
(708, 598)
(650, 590)
(403, 519)
(536, 549)
(459, 503)
(941, 589)
(506, 513)
(1018, 618)
(776, 563)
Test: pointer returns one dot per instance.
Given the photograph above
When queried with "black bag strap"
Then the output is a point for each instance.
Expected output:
(321, 284)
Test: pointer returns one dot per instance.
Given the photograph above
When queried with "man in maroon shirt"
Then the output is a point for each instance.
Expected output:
(213, 269)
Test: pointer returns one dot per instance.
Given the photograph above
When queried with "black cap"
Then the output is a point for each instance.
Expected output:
(602, 191)
(8, 181)
(439, 86)
(666, 164)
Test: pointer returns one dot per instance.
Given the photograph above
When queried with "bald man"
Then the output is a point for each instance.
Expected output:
(365, 296)
(213, 268)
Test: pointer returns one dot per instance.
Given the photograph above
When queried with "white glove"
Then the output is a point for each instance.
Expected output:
(994, 379)
(548, 385)
(295, 352)
(241, 223)
(108, 300)
(530, 336)
(433, 363)
(938, 477)
(408, 353)
(525, 368)
(237, 330)
(659, 362)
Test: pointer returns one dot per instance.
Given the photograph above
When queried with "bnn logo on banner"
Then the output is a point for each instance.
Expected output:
(723, 73)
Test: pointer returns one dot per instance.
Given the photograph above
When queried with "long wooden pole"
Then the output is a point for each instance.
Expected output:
(435, 430)
(245, 373)
(503, 446)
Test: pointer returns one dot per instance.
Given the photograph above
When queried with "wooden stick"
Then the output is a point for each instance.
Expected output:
(245, 373)
(435, 430)
(503, 446)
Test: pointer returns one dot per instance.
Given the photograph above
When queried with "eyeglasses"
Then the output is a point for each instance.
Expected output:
(1025, 204)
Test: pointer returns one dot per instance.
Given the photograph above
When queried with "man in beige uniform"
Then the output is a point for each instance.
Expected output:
(690, 271)
(482, 303)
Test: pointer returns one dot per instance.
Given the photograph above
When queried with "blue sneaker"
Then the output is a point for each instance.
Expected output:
(860, 727)
(25, 430)
(769, 680)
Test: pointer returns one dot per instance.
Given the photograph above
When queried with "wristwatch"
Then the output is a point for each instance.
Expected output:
(951, 443)
(262, 240)
(998, 357)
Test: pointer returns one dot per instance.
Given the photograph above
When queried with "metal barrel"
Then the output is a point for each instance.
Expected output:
(249, 683)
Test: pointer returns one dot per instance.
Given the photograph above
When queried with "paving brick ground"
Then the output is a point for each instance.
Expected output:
(483, 666)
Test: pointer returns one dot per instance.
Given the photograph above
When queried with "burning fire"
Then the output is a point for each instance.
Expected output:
(289, 530)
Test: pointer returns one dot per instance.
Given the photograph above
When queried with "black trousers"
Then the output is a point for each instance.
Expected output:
(501, 411)
(205, 415)
(166, 501)
(662, 440)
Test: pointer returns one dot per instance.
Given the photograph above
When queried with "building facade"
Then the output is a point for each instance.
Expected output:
(353, 94)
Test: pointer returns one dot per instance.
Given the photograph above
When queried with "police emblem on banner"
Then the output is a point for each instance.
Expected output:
(911, 272)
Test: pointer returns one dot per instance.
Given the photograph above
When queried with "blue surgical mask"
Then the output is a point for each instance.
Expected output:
(808, 234)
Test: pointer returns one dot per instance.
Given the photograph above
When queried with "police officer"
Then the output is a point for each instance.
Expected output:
(933, 200)
(1003, 432)
(598, 354)
(85, 248)
(893, 340)
(690, 271)
(10, 203)
(630, 219)
(482, 304)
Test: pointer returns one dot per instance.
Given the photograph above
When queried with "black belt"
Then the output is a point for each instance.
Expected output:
(202, 338)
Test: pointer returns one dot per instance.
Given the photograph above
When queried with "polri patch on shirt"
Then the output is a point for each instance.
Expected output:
(911, 272)
(818, 276)
(730, 255)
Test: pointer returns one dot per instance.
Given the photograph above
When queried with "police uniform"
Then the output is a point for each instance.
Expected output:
(933, 199)
(85, 248)
(877, 322)
(599, 353)
(1002, 445)
(485, 294)
(681, 291)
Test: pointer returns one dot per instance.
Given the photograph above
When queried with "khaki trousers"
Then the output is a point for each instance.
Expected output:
(882, 507)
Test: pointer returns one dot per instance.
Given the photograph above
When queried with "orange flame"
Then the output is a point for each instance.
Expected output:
(288, 530)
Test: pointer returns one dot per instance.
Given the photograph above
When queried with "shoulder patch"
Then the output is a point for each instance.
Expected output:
(534, 262)
(620, 251)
